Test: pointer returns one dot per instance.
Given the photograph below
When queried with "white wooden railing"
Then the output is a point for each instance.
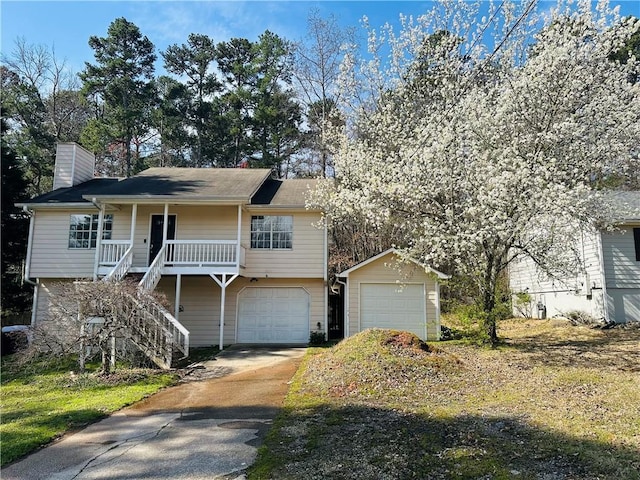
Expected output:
(152, 277)
(177, 332)
(201, 253)
(152, 328)
(122, 267)
(112, 251)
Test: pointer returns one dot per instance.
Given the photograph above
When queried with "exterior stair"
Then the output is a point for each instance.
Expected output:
(153, 329)
(149, 326)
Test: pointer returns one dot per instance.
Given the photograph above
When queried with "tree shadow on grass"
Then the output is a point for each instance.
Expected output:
(35, 428)
(617, 349)
(359, 442)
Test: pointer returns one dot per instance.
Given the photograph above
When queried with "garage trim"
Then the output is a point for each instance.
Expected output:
(423, 306)
(308, 310)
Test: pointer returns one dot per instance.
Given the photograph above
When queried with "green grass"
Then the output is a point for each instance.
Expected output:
(41, 403)
(553, 400)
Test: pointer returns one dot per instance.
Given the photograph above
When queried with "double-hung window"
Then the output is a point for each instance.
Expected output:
(83, 230)
(271, 231)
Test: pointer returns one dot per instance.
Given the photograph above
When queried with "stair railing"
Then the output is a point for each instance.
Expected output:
(152, 277)
(122, 267)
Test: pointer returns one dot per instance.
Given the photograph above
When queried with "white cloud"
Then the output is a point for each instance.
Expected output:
(167, 23)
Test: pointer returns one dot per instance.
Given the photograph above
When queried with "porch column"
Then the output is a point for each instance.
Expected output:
(176, 310)
(223, 282)
(96, 261)
(165, 225)
(134, 215)
(239, 237)
(222, 302)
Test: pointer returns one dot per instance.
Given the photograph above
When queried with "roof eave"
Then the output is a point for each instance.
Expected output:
(270, 206)
(152, 199)
(345, 274)
(56, 205)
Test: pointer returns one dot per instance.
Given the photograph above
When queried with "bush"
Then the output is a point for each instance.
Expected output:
(316, 338)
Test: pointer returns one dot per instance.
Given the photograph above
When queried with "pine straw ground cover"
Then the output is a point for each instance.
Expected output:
(554, 402)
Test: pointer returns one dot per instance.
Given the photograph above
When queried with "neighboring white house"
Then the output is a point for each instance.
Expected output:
(237, 253)
(607, 286)
(384, 292)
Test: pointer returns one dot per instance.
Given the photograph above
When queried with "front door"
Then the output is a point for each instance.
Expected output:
(155, 239)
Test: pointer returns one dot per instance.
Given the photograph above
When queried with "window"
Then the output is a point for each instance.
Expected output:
(636, 241)
(83, 230)
(271, 231)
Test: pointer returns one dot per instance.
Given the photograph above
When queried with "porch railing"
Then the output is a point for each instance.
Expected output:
(117, 256)
(112, 251)
(201, 253)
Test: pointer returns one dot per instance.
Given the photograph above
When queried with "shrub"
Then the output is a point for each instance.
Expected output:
(316, 338)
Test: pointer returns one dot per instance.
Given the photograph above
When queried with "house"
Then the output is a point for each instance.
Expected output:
(238, 255)
(607, 284)
(387, 292)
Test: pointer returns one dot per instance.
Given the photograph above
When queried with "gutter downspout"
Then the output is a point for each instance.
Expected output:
(603, 279)
(438, 330)
(96, 260)
(345, 303)
(27, 265)
(34, 305)
(325, 274)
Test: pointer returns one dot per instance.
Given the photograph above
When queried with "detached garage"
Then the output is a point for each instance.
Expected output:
(382, 292)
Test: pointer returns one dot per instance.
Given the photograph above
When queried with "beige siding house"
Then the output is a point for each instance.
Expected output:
(236, 252)
(606, 285)
(385, 292)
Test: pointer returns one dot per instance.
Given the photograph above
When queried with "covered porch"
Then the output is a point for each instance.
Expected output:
(183, 239)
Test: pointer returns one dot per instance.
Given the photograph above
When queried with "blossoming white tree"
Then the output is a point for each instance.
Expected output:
(485, 154)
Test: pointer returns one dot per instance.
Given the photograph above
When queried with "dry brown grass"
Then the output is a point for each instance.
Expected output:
(555, 401)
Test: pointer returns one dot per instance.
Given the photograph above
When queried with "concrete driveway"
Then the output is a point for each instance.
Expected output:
(204, 429)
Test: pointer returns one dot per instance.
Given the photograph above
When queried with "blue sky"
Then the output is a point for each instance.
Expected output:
(67, 25)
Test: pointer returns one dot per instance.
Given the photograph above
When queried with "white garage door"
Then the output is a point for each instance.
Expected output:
(273, 315)
(393, 306)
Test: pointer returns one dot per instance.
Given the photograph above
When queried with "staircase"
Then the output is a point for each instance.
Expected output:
(149, 325)
(153, 329)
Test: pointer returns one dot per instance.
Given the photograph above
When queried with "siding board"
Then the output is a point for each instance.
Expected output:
(622, 270)
(304, 260)
(561, 295)
(200, 298)
(51, 255)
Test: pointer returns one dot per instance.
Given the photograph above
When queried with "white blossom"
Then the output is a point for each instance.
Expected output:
(488, 155)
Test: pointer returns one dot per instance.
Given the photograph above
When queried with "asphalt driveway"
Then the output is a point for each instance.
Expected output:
(204, 429)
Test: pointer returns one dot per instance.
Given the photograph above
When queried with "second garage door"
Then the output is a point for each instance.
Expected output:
(273, 315)
(393, 306)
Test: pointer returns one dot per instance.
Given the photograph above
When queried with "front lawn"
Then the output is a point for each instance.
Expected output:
(554, 401)
(43, 402)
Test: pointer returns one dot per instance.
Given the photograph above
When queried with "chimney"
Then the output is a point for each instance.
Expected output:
(74, 165)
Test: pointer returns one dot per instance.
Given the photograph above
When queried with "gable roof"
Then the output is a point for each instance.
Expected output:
(290, 193)
(184, 185)
(394, 251)
(624, 205)
(71, 195)
(202, 184)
